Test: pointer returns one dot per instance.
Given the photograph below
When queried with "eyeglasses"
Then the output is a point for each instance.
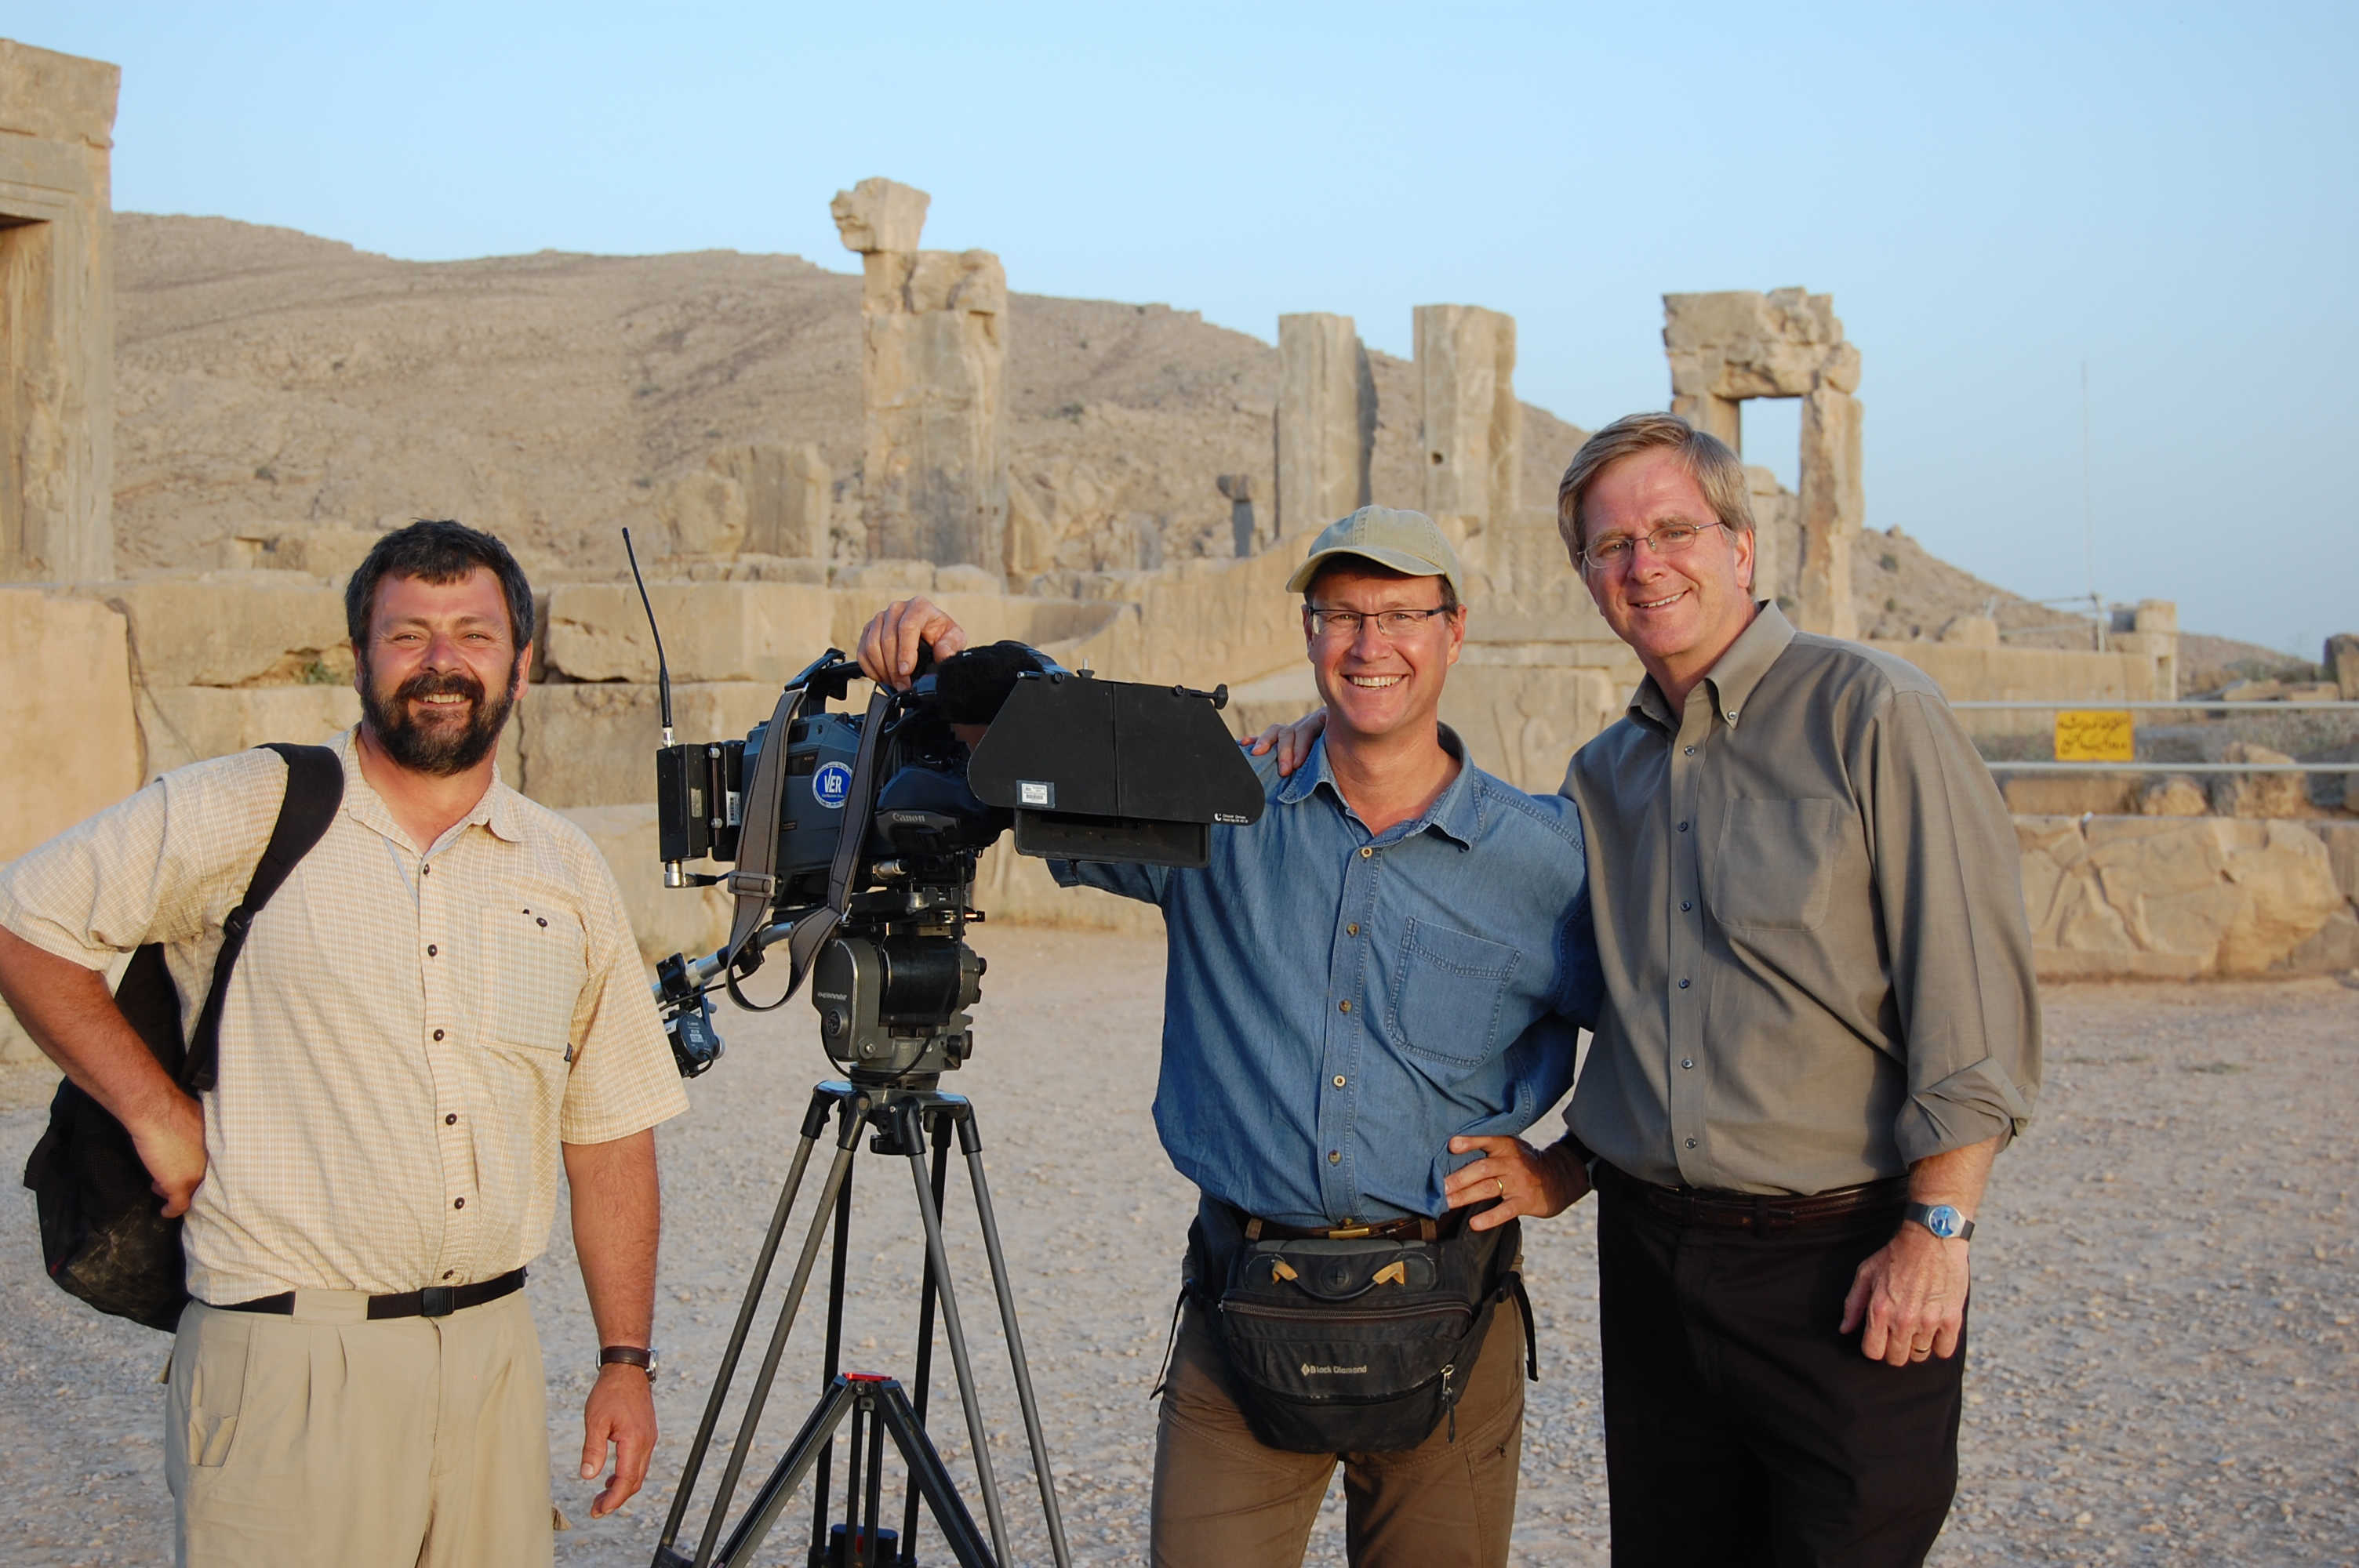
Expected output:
(1391, 625)
(1670, 539)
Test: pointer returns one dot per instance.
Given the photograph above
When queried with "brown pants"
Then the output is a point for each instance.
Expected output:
(324, 1438)
(1224, 1500)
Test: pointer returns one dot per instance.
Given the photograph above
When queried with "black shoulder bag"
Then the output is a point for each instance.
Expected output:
(103, 1234)
(1351, 1345)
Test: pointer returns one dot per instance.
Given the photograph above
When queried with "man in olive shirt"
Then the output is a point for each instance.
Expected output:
(1821, 1028)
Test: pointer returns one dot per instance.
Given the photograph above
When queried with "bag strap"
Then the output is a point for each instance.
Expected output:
(315, 787)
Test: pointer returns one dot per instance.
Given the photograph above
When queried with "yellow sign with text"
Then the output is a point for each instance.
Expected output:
(2096, 735)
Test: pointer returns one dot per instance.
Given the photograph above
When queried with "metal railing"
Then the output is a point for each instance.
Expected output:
(2207, 705)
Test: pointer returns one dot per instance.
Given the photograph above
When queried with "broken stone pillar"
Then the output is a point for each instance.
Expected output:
(789, 491)
(57, 316)
(1326, 422)
(934, 354)
(1473, 428)
(1729, 346)
(2341, 665)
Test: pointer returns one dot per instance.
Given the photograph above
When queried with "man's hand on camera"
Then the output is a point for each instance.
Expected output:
(889, 643)
(1292, 740)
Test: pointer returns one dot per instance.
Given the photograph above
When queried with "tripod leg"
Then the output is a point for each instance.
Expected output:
(926, 1469)
(814, 1122)
(971, 1141)
(959, 1361)
(834, 1362)
(923, 1381)
(854, 1113)
(817, 1435)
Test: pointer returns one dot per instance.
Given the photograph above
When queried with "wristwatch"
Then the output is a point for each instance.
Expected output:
(641, 1356)
(1942, 1219)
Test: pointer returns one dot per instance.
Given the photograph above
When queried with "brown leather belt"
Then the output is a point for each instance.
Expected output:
(434, 1301)
(1751, 1211)
(1411, 1229)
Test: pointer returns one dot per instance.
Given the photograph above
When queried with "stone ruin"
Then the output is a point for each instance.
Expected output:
(122, 679)
(1727, 347)
(933, 362)
(57, 316)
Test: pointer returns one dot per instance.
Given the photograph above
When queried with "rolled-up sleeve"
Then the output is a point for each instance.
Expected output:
(1949, 885)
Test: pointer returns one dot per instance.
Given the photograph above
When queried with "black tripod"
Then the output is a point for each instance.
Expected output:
(903, 1111)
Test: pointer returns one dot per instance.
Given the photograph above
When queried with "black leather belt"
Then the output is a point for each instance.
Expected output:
(1752, 1211)
(434, 1301)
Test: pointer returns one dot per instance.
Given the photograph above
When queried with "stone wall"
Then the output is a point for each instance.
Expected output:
(2181, 898)
(1326, 424)
(57, 316)
(1472, 423)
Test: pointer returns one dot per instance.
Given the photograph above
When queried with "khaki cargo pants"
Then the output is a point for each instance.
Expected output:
(324, 1438)
(1224, 1500)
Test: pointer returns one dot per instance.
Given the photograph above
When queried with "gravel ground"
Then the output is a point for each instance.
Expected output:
(2163, 1350)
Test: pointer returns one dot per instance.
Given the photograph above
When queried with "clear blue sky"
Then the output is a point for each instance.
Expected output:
(1993, 194)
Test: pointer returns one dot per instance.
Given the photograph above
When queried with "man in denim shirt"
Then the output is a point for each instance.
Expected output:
(1370, 992)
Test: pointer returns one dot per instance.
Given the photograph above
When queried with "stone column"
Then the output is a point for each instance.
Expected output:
(1326, 422)
(57, 316)
(787, 491)
(933, 362)
(1832, 511)
(1472, 426)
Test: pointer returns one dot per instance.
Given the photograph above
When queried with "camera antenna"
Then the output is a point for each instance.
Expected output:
(663, 672)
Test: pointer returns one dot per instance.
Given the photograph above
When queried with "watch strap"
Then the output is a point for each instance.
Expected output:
(639, 1355)
(1922, 1214)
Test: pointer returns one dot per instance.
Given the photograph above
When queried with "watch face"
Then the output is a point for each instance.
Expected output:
(1942, 1220)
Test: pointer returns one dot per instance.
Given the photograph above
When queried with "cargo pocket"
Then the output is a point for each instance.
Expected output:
(1446, 1002)
(1775, 864)
(535, 963)
(208, 1389)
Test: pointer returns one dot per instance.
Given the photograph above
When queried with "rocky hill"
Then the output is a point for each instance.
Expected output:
(266, 378)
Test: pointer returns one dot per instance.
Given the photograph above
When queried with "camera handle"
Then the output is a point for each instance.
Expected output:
(754, 882)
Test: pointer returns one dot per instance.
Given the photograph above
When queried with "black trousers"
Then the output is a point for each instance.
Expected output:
(1740, 1427)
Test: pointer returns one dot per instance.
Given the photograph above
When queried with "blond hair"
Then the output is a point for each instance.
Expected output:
(1718, 472)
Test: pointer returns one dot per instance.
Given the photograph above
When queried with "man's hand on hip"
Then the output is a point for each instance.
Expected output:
(1911, 1295)
(621, 1411)
(1525, 1180)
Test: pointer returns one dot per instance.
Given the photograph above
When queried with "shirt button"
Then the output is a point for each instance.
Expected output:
(1339, 1080)
(1683, 827)
(451, 1119)
(1683, 983)
(1343, 1007)
(1691, 1142)
(432, 949)
(1732, 716)
(427, 871)
(1334, 1156)
(1686, 1062)
(1353, 929)
(1685, 906)
(458, 1202)
(1365, 853)
(1691, 751)
(437, 1034)
(538, 920)
(447, 1274)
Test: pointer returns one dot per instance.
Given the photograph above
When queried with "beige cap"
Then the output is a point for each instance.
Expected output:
(1407, 542)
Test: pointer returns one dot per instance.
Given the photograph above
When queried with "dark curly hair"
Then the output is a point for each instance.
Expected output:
(437, 552)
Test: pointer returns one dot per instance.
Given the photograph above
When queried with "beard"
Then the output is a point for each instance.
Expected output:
(441, 744)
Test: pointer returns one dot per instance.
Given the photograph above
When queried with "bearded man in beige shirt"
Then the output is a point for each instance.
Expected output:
(442, 1006)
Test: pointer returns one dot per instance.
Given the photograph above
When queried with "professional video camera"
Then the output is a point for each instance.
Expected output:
(855, 841)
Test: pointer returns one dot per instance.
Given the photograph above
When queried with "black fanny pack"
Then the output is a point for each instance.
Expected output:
(1356, 1345)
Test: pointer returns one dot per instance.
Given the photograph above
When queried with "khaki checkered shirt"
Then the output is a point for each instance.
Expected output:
(406, 1038)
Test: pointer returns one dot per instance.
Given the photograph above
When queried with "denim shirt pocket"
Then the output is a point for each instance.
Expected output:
(1447, 995)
